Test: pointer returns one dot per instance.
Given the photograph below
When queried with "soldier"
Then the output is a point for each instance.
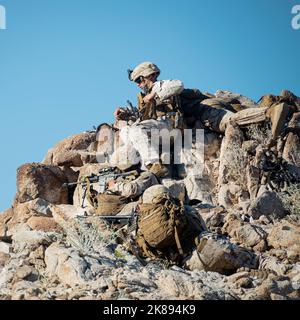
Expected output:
(157, 110)
(165, 100)
(130, 187)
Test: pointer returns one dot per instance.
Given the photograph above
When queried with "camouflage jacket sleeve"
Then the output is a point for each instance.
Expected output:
(166, 89)
(135, 188)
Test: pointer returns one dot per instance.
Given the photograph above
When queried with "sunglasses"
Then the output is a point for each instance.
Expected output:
(139, 80)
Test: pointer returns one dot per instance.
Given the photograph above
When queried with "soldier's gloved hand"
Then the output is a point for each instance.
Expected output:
(118, 112)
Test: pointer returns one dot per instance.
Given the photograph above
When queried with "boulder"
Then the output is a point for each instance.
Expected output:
(40, 181)
(268, 204)
(23, 212)
(219, 255)
(5, 247)
(66, 151)
(249, 236)
(178, 284)
(234, 98)
(4, 257)
(267, 262)
(105, 140)
(63, 213)
(31, 240)
(292, 146)
(213, 217)
(232, 160)
(70, 158)
(285, 235)
(176, 188)
(199, 187)
(5, 217)
(253, 181)
(66, 264)
(45, 224)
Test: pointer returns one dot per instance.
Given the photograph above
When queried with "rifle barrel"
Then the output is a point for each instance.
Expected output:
(95, 179)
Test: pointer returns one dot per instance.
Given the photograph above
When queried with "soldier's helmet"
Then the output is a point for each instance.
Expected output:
(144, 69)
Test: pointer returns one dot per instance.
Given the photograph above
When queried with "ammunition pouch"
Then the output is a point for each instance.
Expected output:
(157, 110)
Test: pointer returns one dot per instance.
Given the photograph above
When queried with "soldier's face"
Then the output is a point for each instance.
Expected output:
(141, 83)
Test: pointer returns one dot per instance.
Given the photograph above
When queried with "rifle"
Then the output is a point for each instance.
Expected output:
(102, 179)
(129, 113)
(121, 219)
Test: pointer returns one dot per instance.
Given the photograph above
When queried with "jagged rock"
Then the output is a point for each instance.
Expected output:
(250, 146)
(240, 279)
(219, 255)
(86, 261)
(4, 257)
(195, 285)
(128, 209)
(248, 235)
(69, 266)
(225, 197)
(232, 165)
(30, 240)
(294, 273)
(5, 217)
(283, 287)
(64, 153)
(105, 142)
(292, 146)
(45, 224)
(62, 213)
(213, 217)
(212, 144)
(285, 235)
(271, 263)
(71, 173)
(199, 187)
(253, 181)
(218, 103)
(231, 97)
(36, 214)
(176, 188)
(66, 264)
(231, 223)
(267, 204)
(5, 247)
(200, 168)
(40, 181)
(26, 273)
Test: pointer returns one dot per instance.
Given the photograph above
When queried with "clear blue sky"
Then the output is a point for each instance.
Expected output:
(63, 62)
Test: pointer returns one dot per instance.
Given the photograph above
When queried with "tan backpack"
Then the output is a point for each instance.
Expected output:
(105, 204)
(165, 225)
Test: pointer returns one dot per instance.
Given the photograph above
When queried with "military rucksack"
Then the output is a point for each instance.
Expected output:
(105, 204)
(164, 226)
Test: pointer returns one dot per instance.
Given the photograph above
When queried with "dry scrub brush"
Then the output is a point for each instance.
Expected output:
(291, 198)
(86, 237)
(260, 132)
(236, 164)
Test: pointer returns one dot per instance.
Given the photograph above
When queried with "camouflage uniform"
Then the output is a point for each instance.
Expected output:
(135, 188)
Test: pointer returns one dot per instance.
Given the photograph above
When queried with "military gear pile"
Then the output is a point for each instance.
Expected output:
(164, 225)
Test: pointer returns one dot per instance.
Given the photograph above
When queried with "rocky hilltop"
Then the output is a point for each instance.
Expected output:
(248, 199)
